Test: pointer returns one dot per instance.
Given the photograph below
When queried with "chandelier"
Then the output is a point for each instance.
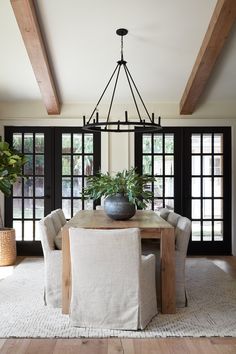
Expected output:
(144, 124)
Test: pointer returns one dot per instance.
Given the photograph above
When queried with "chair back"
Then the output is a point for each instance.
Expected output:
(182, 234)
(164, 212)
(61, 215)
(105, 274)
(48, 234)
(173, 218)
(56, 221)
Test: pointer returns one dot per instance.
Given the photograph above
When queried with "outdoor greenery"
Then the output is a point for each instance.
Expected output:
(128, 182)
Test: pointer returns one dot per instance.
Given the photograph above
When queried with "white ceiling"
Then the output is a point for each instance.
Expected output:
(161, 47)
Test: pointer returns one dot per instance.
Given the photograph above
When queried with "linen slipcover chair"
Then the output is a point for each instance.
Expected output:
(113, 286)
(182, 234)
(49, 227)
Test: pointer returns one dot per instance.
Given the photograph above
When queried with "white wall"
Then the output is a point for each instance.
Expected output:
(118, 149)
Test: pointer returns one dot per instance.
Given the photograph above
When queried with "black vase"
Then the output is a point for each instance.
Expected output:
(118, 207)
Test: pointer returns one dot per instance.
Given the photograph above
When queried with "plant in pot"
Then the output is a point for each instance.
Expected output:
(11, 163)
(123, 192)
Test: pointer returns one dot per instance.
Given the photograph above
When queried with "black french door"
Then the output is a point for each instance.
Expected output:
(59, 160)
(192, 167)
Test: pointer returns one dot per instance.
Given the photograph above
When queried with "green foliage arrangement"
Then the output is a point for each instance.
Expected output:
(128, 182)
(11, 163)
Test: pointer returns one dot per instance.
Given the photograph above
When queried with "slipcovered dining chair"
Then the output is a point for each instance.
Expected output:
(182, 234)
(49, 227)
(113, 286)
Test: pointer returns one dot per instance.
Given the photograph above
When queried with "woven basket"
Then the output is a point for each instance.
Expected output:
(7, 247)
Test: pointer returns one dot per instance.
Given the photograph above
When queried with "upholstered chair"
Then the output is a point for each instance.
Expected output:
(52, 263)
(164, 212)
(182, 234)
(113, 286)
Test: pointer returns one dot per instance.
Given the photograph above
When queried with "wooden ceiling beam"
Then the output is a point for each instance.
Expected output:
(218, 30)
(26, 18)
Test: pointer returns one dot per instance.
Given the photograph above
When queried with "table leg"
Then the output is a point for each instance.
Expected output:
(66, 271)
(167, 254)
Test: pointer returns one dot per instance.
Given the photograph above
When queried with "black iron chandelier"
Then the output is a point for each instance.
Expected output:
(142, 125)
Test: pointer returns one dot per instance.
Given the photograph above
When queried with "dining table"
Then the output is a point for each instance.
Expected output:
(151, 226)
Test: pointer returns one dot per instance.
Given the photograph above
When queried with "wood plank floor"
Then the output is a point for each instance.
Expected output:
(128, 346)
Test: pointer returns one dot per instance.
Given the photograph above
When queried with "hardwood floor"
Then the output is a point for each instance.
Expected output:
(213, 345)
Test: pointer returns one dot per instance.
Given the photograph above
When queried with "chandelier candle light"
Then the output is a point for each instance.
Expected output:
(142, 125)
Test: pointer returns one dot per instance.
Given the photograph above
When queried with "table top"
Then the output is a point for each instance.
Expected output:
(97, 219)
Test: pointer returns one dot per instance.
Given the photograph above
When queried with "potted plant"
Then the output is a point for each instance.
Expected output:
(11, 163)
(123, 192)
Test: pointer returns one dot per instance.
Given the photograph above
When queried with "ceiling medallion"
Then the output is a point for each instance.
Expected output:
(143, 125)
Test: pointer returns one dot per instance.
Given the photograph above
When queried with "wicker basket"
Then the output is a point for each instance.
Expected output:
(7, 247)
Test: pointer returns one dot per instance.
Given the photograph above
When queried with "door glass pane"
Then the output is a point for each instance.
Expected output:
(218, 209)
(28, 208)
(218, 143)
(147, 165)
(196, 230)
(39, 208)
(77, 205)
(207, 230)
(39, 186)
(196, 165)
(17, 188)
(196, 187)
(207, 183)
(88, 143)
(28, 143)
(218, 165)
(88, 204)
(218, 230)
(158, 165)
(66, 165)
(29, 187)
(77, 143)
(169, 143)
(207, 143)
(88, 165)
(158, 143)
(66, 143)
(66, 187)
(218, 187)
(17, 208)
(39, 164)
(17, 141)
(196, 208)
(77, 165)
(207, 165)
(39, 143)
(169, 165)
(207, 209)
(77, 186)
(147, 143)
(17, 225)
(158, 187)
(37, 231)
(28, 230)
(28, 167)
(196, 143)
(169, 187)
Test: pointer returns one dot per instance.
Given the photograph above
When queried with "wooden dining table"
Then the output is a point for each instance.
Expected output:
(151, 226)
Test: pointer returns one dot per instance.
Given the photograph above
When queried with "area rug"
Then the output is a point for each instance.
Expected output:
(211, 309)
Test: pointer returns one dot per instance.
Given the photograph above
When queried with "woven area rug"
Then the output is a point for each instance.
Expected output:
(211, 310)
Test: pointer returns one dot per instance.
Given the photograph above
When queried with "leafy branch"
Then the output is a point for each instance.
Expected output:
(128, 182)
